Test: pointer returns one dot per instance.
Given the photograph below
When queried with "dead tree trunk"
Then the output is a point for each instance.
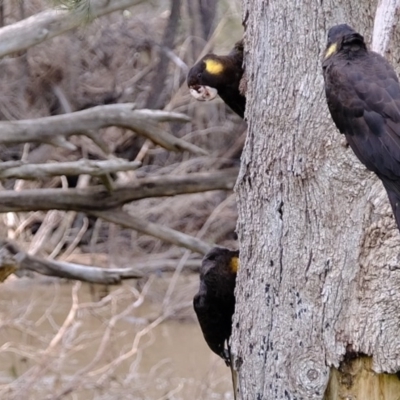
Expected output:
(317, 313)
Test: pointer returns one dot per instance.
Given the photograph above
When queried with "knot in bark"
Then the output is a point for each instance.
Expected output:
(310, 373)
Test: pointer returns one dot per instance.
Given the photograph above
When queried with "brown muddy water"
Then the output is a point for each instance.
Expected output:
(80, 341)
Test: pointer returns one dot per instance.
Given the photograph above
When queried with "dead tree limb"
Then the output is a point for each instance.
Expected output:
(99, 199)
(54, 130)
(11, 254)
(384, 23)
(50, 23)
(161, 232)
(21, 170)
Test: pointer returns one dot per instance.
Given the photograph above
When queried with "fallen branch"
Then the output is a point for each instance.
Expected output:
(54, 130)
(20, 170)
(99, 199)
(51, 23)
(161, 232)
(11, 254)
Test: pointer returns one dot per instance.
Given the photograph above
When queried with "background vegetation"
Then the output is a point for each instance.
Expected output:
(78, 341)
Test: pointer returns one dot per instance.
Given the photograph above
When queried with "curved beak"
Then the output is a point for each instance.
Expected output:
(203, 93)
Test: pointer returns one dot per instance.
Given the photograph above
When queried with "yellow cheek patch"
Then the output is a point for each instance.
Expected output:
(234, 264)
(331, 50)
(214, 67)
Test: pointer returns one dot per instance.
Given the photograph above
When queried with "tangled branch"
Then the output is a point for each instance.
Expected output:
(54, 130)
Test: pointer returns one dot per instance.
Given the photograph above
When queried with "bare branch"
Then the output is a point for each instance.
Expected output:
(47, 24)
(385, 22)
(20, 170)
(161, 232)
(166, 265)
(11, 254)
(55, 129)
(98, 199)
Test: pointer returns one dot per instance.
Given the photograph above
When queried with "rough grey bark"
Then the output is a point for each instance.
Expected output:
(319, 273)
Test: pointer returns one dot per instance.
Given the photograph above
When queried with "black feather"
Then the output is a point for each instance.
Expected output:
(227, 82)
(215, 301)
(363, 96)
